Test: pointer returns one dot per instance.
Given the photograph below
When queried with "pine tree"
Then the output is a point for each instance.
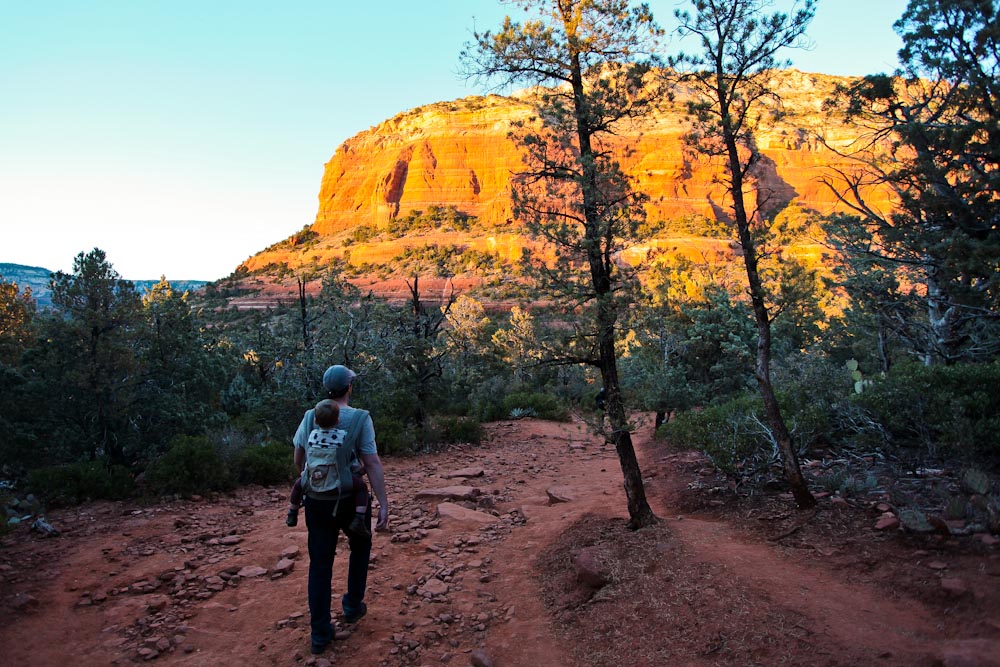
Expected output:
(572, 194)
(728, 76)
(91, 354)
(939, 117)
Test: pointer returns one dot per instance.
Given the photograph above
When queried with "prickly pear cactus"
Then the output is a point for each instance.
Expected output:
(956, 508)
(859, 383)
(916, 521)
(976, 481)
(993, 515)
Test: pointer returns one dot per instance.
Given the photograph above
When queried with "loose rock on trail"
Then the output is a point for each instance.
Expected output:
(509, 554)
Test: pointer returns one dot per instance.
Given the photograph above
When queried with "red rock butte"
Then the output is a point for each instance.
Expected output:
(460, 154)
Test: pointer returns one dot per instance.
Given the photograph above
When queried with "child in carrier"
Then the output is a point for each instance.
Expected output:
(326, 416)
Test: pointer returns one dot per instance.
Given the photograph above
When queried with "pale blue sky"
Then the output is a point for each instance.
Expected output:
(182, 136)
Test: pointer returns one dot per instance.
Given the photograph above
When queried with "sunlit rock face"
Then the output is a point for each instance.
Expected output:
(454, 153)
(462, 154)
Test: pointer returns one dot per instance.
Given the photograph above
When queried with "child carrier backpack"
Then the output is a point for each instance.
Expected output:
(327, 471)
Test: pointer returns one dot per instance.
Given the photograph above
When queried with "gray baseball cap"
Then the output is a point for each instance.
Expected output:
(338, 378)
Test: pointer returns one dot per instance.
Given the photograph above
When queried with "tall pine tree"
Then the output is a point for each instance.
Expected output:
(572, 194)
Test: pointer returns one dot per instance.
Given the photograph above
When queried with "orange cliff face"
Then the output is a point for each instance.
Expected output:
(460, 154)
(454, 153)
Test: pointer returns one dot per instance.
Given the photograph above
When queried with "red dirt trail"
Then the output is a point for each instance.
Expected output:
(173, 583)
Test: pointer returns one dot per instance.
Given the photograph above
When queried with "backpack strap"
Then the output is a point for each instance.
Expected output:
(354, 429)
(350, 449)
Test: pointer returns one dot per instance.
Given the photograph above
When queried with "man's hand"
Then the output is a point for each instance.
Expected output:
(383, 518)
(375, 474)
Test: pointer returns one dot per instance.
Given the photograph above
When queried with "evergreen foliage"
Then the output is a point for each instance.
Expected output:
(17, 309)
(267, 464)
(73, 483)
(92, 349)
(543, 406)
(951, 411)
(192, 465)
(939, 116)
(689, 353)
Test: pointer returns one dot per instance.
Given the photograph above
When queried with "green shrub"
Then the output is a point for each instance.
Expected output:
(729, 433)
(459, 429)
(192, 465)
(944, 409)
(395, 437)
(484, 399)
(488, 411)
(815, 395)
(266, 464)
(77, 482)
(361, 233)
(812, 391)
(697, 225)
(546, 406)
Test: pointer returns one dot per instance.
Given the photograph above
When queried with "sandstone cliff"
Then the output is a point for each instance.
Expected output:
(459, 154)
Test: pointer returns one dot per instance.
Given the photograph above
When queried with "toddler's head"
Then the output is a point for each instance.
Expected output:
(327, 414)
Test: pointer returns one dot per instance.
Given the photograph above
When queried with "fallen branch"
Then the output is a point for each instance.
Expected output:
(803, 521)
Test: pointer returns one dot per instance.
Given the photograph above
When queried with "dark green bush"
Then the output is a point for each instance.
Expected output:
(485, 404)
(941, 410)
(362, 233)
(395, 437)
(489, 411)
(815, 400)
(459, 429)
(77, 482)
(192, 465)
(813, 392)
(727, 432)
(944, 409)
(266, 464)
(546, 406)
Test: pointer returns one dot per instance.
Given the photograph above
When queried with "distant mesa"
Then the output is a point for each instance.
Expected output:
(37, 278)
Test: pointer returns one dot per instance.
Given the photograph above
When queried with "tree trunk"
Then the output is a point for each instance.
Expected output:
(789, 460)
(885, 361)
(303, 312)
(762, 370)
(941, 316)
(639, 511)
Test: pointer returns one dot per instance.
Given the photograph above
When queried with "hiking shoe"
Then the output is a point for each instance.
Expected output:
(359, 526)
(292, 519)
(316, 649)
(356, 615)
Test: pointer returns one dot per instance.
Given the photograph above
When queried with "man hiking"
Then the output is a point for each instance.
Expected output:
(326, 515)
